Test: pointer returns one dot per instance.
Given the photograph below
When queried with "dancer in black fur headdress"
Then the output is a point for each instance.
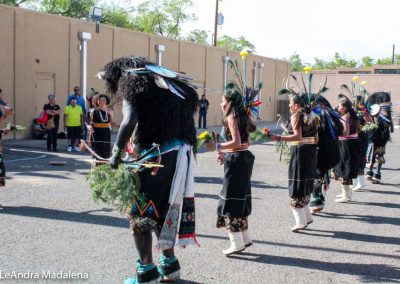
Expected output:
(158, 107)
(381, 104)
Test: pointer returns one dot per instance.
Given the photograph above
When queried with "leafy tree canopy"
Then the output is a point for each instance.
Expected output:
(163, 17)
(160, 17)
(68, 8)
(296, 62)
(339, 61)
(199, 36)
(117, 17)
(237, 44)
(16, 3)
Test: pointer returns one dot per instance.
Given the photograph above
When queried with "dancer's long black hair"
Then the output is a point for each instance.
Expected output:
(353, 119)
(162, 115)
(236, 109)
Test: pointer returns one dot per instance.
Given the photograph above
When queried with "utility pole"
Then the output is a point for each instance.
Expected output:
(393, 54)
(216, 23)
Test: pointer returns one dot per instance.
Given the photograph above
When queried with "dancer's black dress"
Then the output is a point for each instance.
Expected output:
(348, 166)
(101, 137)
(234, 204)
(303, 163)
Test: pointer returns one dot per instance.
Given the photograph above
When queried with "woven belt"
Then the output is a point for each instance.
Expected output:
(101, 125)
(243, 147)
(349, 137)
(305, 141)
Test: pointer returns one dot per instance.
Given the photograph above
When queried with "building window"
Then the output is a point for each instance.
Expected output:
(387, 71)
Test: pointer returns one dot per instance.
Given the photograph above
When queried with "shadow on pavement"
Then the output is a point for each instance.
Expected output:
(54, 214)
(390, 169)
(390, 184)
(208, 180)
(381, 191)
(352, 236)
(254, 183)
(40, 174)
(324, 249)
(363, 218)
(385, 204)
(366, 272)
(24, 163)
(205, 195)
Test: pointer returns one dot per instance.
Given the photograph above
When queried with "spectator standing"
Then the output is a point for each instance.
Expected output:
(2, 100)
(53, 112)
(73, 122)
(81, 102)
(203, 111)
(79, 99)
(5, 110)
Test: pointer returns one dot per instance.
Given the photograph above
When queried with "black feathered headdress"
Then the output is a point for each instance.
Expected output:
(303, 94)
(142, 76)
(164, 101)
(381, 103)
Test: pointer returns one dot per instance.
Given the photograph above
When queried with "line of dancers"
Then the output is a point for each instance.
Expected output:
(159, 107)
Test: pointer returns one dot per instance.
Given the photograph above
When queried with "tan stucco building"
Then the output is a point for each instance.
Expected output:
(41, 54)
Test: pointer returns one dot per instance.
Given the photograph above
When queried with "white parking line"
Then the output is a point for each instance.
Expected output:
(25, 159)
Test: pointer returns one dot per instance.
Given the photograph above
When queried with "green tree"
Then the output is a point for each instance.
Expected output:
(319, 64)
(296, 62)
(163, 17)
(69, 8)
(339, 61)
(199, 36)
(384, 61)
(397, 59)
(367, 61)
(237, 44)
(117, 17)
(16, 3)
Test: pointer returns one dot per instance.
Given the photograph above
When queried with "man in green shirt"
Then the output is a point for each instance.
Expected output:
(73, 121)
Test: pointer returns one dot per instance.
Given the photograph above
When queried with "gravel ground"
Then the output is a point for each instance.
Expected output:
(50, 223)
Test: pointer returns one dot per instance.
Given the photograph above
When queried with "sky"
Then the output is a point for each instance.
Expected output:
(311, 28)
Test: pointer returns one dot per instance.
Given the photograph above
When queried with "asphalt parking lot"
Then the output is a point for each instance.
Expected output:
(50, 223)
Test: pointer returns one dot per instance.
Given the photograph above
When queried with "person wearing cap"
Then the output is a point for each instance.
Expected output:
(80, 101)
(73, 122)
(53, 112)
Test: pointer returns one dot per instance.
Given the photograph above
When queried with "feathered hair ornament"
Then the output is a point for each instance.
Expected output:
(248, 101)
(302, 92)
(358, 94)
(141, 76)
